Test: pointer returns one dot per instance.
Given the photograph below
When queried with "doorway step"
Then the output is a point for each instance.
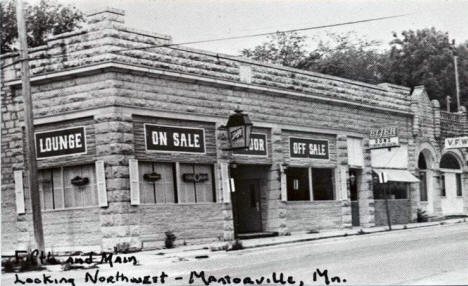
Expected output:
(257, 234)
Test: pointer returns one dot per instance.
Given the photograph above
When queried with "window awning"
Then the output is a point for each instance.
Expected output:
(392, 175)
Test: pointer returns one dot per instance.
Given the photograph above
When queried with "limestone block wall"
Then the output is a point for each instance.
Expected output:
(305, 216)
(14, 227)
(189, 222)
(367, 207)
(400, 212)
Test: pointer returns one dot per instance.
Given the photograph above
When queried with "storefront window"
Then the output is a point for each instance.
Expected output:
(459, 185)
(442, 185)
(298, 184)
(157, 185)
(196, 184)
(423, 186)
(68, 187)
(322, 184)
(395, 190)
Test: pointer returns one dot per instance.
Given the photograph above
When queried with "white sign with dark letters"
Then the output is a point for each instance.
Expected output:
(308, 148)
(456, 142)
(60, 142)
(174, 139)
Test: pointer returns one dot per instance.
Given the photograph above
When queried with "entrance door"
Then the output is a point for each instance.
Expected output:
(451, 203)
(247, 204)
(353, 185)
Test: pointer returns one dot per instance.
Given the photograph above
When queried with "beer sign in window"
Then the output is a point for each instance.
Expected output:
(60, 142)
(177, 139)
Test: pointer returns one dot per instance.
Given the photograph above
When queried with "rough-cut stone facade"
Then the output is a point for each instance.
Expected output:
(112, 79)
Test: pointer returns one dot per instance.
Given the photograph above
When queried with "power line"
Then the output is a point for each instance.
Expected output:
(234, 37)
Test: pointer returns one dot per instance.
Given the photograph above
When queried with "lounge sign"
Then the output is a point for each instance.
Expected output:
(308, 148)
(175, 139)
(385, 137)
(60, 142)
(257, 146)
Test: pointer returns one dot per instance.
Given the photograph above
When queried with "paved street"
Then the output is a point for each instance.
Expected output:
(430, 255)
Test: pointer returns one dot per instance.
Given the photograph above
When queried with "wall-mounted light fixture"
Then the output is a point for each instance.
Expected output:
(239, 128)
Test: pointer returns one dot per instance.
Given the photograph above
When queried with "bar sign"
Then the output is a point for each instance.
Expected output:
(60, 142)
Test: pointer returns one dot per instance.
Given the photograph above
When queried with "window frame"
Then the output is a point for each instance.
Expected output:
(177, 177)
(459, 183)
(443, 191)
(423, 196)
(310, 185)
(63, 207)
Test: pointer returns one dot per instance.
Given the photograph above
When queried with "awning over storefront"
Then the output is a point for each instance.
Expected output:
(392, 175)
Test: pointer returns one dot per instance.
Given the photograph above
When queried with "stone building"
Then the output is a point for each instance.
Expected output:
(131, 144)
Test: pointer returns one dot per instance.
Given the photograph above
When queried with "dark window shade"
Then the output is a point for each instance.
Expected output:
(423, 186)
(442, 185)
(395, 190)
(459, 185)
(322, 184)
(449, 161)
(298, 184)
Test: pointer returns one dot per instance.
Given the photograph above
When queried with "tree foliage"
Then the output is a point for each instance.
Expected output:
(348, 56)
(421, 57)
(425, 57)
(287, 49)
(44, 19)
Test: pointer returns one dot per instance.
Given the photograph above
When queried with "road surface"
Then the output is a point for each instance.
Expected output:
(431, 255)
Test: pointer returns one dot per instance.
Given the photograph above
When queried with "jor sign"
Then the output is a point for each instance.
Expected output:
(177, 139)
(60, 142)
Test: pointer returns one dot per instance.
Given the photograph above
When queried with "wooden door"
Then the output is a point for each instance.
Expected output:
(247, 204)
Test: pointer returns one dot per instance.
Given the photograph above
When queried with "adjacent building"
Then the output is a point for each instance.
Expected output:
(131, 143)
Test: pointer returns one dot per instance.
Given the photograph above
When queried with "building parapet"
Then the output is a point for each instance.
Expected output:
(105, 39)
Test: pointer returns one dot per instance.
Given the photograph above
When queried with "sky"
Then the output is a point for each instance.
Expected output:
(193, 20)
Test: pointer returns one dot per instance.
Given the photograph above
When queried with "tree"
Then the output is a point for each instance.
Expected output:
(424, 57)
(348, 56)
(43, 19)
(287, 49)
(344, 55)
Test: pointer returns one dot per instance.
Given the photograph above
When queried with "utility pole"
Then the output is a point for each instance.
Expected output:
(457, 84)
(387, 208)
(449, 101)
(28, 120)
(455, 65)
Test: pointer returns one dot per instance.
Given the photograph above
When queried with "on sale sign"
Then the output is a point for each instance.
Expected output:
(385, 137)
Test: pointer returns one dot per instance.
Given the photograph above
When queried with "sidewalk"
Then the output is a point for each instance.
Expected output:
(194, 251)
(202, 251)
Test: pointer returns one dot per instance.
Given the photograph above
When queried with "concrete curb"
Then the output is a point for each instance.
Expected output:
(346, 233)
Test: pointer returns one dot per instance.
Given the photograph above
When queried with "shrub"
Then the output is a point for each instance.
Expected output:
(421, 216)
(8, 266)
(170, 238)
(122, 247)
(237, 245)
